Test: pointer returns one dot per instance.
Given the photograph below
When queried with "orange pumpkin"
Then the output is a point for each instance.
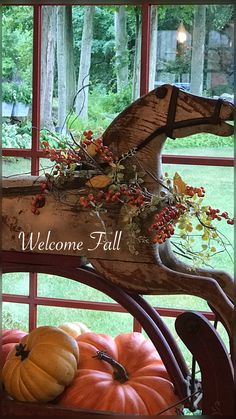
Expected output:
(10, 337)
(74, 329)
(41, 365)
(122, 375)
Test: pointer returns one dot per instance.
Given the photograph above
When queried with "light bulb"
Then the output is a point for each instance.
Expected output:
(181, 34)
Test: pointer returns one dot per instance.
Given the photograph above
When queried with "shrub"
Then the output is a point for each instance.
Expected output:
(13, 138)
(116, 102)
(8, 93)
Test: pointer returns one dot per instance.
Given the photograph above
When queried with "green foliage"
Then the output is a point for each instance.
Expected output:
(219, 16)
(23, 93)
(171, 16)
(8, 94)
(14, 136)
(56, 140)
(198, 141)
(222, 88)
(16, 92)
(103, 108)
(17, 40)
(116, 102)
(181, 64)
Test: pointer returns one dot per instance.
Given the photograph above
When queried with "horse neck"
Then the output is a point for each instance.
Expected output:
(149, 159)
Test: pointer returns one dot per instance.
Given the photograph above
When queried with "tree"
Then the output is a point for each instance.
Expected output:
(61, 68)
(17, 34)
(137, 55)
(70, 59)
(153, 47)
(198, 43)
(85, 62)
(121, 40)
(48, 50)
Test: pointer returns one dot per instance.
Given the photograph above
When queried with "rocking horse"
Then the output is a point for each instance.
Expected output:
(142, 127)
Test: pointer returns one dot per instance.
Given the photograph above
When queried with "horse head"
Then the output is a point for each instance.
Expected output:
(166, 112)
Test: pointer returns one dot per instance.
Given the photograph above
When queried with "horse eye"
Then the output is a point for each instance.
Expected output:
(161, 92)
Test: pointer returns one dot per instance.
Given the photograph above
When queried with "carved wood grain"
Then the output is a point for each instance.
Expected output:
(154, 270)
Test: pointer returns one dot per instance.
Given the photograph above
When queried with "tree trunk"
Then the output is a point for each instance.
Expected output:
(61, 67)
(48, 63)
(121, 40)
(70, 63)
(197, 64)
(153, 48)
(85, 62)
(137, 57)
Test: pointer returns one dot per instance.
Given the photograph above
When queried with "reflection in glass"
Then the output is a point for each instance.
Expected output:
(15, 316)
(193, 48)
(15, 283)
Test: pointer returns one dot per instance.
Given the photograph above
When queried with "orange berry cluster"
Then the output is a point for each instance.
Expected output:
(191, 191)
(134, 197)
(37, 202)
(215, 214)
(104, 151)
(88, 134)
(164, 220)
(61, 156)
(86, 200)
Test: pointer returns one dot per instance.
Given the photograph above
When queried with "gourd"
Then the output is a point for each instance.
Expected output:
(122, 375)
(10, 337)
(41, 365)
(74, 329)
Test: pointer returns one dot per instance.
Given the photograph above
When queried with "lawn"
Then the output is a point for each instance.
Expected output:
(218, 182)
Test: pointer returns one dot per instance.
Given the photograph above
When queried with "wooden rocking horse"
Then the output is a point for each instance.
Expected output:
(143, 127)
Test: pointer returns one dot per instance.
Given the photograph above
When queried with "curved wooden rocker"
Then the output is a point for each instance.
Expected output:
(215, 390)
(143, 126)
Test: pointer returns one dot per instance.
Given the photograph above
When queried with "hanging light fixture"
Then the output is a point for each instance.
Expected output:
(181, 34)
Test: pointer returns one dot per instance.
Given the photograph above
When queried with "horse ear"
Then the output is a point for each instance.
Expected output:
(161, 92)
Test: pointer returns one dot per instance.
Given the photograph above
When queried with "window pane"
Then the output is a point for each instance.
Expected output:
(101, 47)
(45, 165)
(201, 145)
(98, 321)
(15, 316)
(192, 47)
(15, 166)
(187, 302)
(17, 76)
(219, 185)
(15, 283)
(57, 287)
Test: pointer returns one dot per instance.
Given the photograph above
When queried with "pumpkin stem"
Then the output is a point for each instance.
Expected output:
(120, 374)
(20, 351)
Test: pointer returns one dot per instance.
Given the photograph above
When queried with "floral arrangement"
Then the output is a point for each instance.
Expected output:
(178, 207)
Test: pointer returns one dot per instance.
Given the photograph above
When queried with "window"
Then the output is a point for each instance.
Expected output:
(115, 80)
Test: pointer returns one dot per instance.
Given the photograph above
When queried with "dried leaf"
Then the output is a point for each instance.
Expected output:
(179, 184)
(99, 181)
(91, 149)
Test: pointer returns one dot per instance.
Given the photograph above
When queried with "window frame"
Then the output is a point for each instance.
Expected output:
(35, 153)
